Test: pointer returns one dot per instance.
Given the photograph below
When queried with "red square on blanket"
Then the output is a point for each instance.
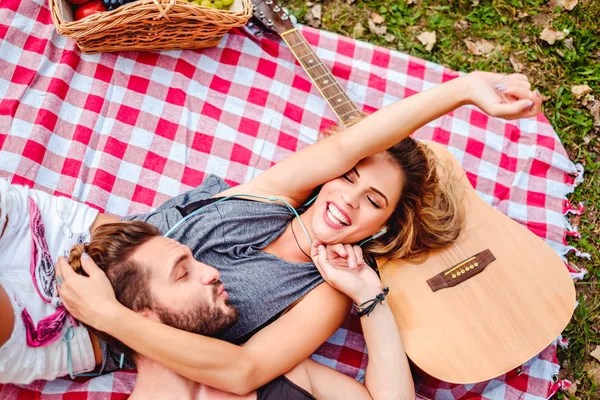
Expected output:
(71, 167)
(138, 84)
(258, 96)
(155, 162)
(34, 151)
(144, 195)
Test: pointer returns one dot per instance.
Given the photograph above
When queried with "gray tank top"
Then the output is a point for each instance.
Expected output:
(230, 236)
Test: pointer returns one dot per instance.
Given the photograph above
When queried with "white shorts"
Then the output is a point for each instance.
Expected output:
(66, 223)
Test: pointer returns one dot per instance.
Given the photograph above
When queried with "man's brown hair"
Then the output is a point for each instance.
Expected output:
(111, 248)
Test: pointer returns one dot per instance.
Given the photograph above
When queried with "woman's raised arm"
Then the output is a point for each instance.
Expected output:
(271, 352)
(337, 154)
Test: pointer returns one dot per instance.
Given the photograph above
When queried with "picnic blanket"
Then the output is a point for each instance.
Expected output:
(125, 132)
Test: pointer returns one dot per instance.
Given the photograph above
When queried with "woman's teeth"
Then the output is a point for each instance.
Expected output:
(336, 216)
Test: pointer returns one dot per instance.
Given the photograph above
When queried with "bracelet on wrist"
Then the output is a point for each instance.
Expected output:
(368, 306)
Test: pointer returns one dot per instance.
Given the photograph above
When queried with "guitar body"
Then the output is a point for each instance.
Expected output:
(495, 320)
(501, 307)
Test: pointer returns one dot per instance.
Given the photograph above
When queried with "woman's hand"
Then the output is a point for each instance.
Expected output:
(504, 96)
(88, 299)
(343, 267)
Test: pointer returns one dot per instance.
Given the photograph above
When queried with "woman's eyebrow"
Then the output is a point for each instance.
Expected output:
(381, 194)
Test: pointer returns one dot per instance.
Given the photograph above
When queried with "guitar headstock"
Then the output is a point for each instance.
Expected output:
(271, 15)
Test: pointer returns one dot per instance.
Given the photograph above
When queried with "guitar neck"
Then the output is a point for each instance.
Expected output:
(345, 109)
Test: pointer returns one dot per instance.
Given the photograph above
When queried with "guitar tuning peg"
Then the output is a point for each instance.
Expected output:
(261, 14)
(284, 17)
(276, 8)
(269, 2)
(269, 22)
(254, 7)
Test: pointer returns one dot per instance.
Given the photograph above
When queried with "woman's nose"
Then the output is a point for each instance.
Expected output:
(351, 198)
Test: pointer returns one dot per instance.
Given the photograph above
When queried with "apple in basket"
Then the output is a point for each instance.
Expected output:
(89, 8)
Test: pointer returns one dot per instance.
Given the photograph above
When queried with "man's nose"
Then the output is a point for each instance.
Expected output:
(210, 275)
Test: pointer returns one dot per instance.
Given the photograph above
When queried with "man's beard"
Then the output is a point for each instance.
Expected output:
(201, 318)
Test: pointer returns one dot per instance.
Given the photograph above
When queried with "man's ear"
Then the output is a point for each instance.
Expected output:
(151, 315)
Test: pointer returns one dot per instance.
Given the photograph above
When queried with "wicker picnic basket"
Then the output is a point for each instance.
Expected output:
(149, 25)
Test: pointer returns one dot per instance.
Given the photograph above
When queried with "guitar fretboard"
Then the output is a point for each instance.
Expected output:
(331, 90)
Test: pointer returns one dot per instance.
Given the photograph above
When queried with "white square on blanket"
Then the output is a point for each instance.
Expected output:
(169, 186)
(20, 128)
(153, 106)
(129, 172)
(217, 165)
(82, 83)
(226, 132)
(9, 162)
(48, 177)
(69, 112)
(59, 145)
(488, 170)
(117, 205)
(33, 97)
(178, 153)
(141, 138)
(162, 76)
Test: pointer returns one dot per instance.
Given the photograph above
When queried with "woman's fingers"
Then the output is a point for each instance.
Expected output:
(339, 249)
(352, 260)
(89, 266)
(359, 254)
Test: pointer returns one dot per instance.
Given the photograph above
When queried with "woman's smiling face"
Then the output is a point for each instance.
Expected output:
(357, 204)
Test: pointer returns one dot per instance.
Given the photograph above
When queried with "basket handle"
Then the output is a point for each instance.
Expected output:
(163, 11)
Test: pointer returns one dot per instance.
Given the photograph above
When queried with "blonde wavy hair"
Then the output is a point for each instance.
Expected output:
(429, 215)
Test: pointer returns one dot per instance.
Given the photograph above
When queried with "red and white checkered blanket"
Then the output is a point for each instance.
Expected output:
(125, 132)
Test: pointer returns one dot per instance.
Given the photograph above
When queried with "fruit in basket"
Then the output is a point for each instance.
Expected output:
(218, 4)
(89, 8)
(114, 4)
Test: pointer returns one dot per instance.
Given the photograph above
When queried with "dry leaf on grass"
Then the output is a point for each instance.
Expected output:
(428, 39)
(579, 91)
(480, 47)
(375, 29)
(378, 19)
(313, 16)
(516, 64)
(592, 369)
(541, 19)
(568, 4)
(551, 35)
(389, 37)
(521, 15)
(596, 353)
(462, 25)
(569, 44)
(594, 106)
(358, 30)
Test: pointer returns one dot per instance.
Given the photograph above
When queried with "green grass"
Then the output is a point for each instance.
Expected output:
(553, 69)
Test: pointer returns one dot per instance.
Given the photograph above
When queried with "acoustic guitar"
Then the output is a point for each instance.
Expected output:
(480, 307)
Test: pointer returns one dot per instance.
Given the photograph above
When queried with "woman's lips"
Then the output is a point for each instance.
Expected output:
(328, 219)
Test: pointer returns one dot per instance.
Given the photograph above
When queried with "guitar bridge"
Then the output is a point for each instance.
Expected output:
(461, 271)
